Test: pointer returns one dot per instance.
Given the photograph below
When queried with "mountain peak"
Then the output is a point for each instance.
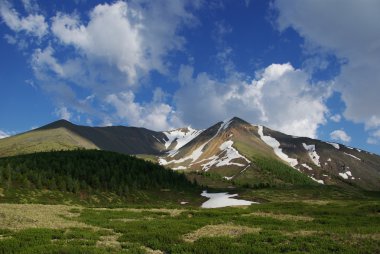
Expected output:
(234, 121)
(58, 124)
(239, 120)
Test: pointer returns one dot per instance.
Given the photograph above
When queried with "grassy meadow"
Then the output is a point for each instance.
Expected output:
(287, 222)
(70, 207)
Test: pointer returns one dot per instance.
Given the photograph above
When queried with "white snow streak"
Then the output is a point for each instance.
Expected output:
(306, 166)
(353, 156)
(272, 142)
(179, 168)
(312, 153)
(318, 181)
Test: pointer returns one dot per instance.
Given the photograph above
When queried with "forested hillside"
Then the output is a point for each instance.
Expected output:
(87, 171)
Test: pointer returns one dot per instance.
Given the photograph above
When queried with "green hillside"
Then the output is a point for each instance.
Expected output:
(42, 141)
(88, 172)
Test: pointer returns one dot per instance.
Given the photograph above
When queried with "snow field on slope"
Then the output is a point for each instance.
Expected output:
(272, 142)
(312, 153)
(194, 156)
(181, 137)
(230, 154)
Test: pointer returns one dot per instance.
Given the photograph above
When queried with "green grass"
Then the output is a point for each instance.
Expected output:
(43, 140)
(350, 226)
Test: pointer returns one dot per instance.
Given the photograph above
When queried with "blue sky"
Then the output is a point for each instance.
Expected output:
(294, 66)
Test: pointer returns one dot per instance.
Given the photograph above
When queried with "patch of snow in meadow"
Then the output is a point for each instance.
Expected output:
(218, 200)
(312, 153)
(272, 142)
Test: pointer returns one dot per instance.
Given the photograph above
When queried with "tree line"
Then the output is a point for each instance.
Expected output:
(87, 170)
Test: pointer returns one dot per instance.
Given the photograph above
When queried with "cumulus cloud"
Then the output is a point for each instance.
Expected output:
(340, 135)
(63, 113)
(374, 138)
(111, 54)
(155, 115)
(280, 97)
(132, 39)
(32, 24)
(336, 118)
(3, 134)
(351, 31)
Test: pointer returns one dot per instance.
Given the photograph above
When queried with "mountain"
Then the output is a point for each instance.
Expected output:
(240, 152)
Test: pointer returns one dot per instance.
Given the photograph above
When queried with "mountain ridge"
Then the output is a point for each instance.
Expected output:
(233, 149)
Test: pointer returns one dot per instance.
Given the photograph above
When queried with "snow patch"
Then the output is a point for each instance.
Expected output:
(334, 145)
(316, 180)
(343, 175)
(230, 154)
(272, 142)
(353, 156)
(196, 153)
(162, 161)
(306, 166)
(179, 168)
(181, 137)
(312, 153)
(346, 175)
(218, 200)
(226, 123)
(228, 178)
(329, 159)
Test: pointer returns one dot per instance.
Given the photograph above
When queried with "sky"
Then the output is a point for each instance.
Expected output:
(303, 67)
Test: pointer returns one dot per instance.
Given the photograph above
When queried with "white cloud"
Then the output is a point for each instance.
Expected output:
(111, 55)
(3, 134)
(340, 135)
(280, 97)
(63, 113)
(336, 118)
(351, 31)
(126, 36)
(374, 137)
(30, 6)
(155, 115)
(32, 24)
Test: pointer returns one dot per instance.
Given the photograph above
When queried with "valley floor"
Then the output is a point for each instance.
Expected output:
(282, 226)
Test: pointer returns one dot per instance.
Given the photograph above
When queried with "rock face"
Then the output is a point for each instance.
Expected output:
(231, 148)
